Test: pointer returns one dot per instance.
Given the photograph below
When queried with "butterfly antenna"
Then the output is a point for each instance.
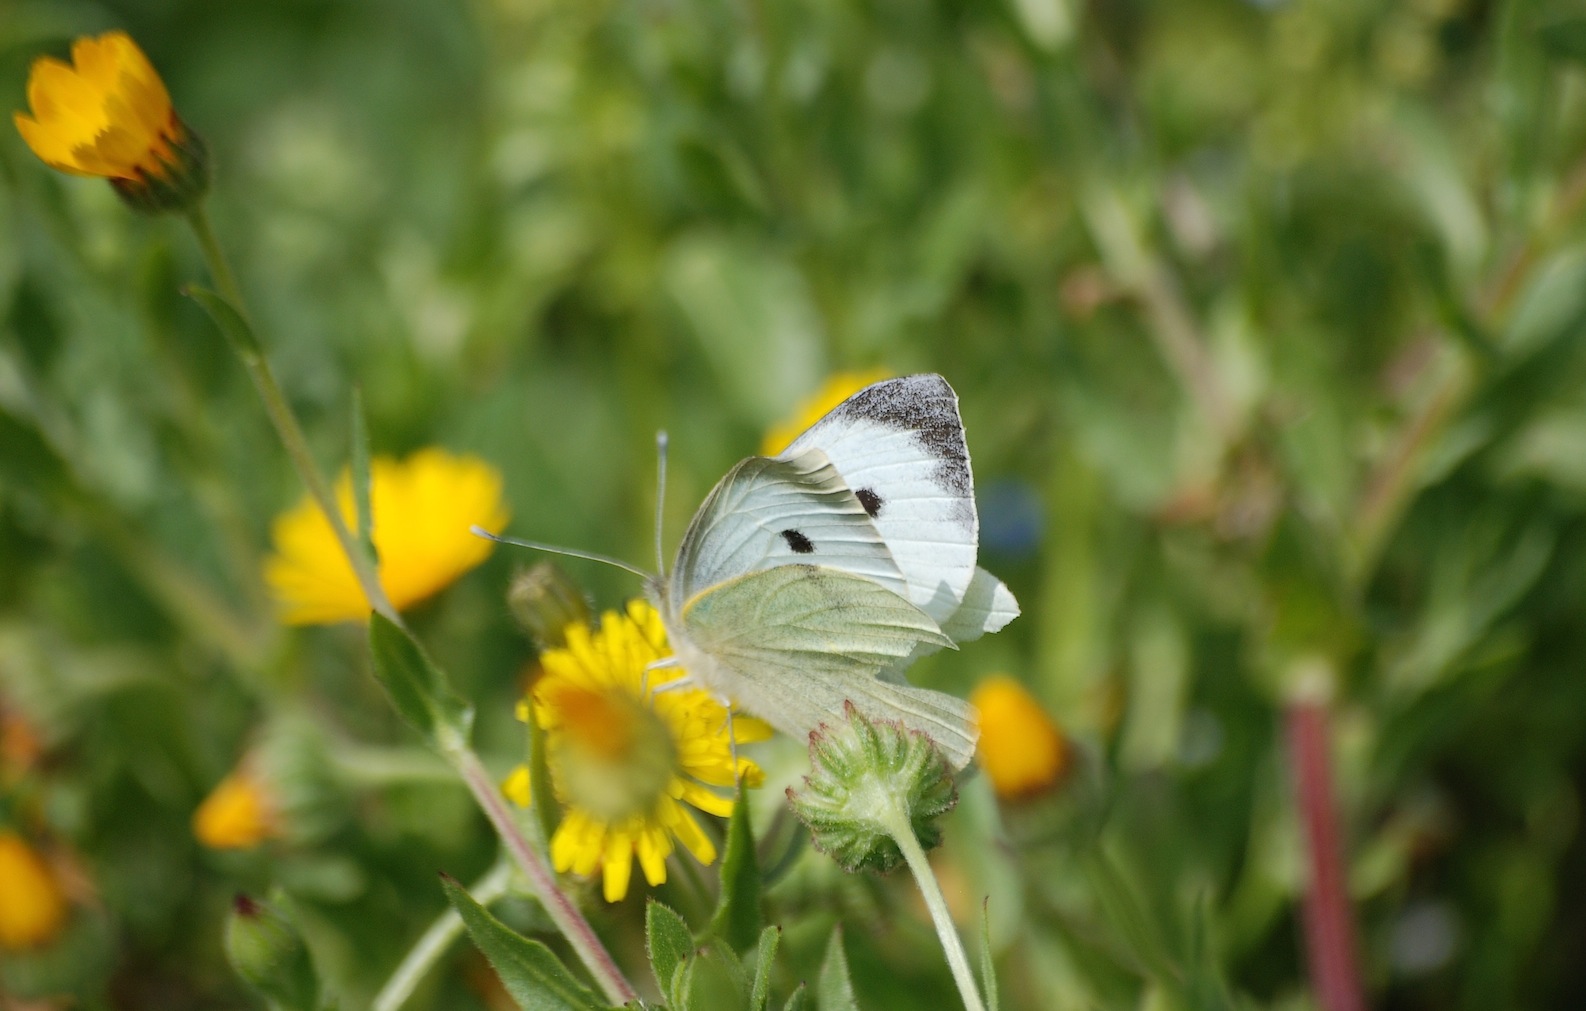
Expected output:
(660, 497)
(553, 549)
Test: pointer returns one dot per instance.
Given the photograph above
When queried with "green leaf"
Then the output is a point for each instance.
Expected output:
(361, 481)
(418, 689)
(228, 319)
(799, 1001)
(535, 977)
(542, 803)
(669, 942)
(738, 917)
(713, 978)
(988, 968)
(834, 989)
(765, 957)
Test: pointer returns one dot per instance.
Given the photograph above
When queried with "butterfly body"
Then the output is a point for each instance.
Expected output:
(811, 579)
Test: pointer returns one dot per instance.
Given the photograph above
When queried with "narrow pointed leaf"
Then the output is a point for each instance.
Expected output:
(418, 689)
(988, 968)
(229, 319)
(669, 942)
(536, 978)
(738, 918)
(765, 958)
(547, 815)
(834, 990)
(361, 480)
(799, 1001)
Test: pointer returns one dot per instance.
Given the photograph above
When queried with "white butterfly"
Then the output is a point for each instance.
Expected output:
(812, 578)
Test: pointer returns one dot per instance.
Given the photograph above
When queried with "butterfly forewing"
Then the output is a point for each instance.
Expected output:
(793, 643)
(899, 445)
(767, 513)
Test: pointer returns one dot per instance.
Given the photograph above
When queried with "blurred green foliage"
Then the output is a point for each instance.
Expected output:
(1269, 324)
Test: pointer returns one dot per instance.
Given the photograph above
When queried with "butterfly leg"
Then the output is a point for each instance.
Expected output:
(665, 663)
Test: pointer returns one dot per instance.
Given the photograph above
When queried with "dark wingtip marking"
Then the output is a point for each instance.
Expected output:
(800, 544)
(870, 500)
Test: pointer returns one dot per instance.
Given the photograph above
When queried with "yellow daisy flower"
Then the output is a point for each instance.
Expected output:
(627, 761)
(1022, 750)
(238, 814)
(32, 903)
(422, 509)
(838, 388)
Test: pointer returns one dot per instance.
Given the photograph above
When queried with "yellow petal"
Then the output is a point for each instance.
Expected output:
(618, 866)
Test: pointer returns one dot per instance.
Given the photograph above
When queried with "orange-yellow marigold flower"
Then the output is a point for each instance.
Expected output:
(1021, 748)
(422, 508)
(628, 761)
(836, 389)
(32, 905)
(239, 813)
(106, 114)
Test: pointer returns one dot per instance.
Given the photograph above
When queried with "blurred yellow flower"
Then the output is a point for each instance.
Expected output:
(107, 114)
(239, 813)
(32, 905)
(422, 509)
(838, 388)
(624, 758)
(1022, 750)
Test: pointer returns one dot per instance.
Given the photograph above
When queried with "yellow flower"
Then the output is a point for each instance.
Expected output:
(1022, 750)
(239, 813)
(32, 906)
(838, 388)
(627, 761)
(422, 508)
(107, 114)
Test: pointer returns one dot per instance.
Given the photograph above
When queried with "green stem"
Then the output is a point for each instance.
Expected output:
(215, 258)
(286, 426)
(897, 823)
(542, 881)
(436, 940)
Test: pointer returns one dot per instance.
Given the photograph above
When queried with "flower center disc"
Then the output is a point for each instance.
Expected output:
(612, 756)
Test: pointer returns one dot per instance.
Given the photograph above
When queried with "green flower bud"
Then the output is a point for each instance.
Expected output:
(545, 600)
(868, 782)
(178, 185)
(268, 953)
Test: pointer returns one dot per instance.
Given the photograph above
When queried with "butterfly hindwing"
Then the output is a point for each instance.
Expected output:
(793, 643)
(899, 445)
(767, 513)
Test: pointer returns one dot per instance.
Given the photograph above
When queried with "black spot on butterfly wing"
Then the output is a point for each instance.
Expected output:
(926, 407)
(870, 500)
(800, 544)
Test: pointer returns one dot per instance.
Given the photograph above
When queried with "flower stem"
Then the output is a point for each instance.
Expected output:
(436, 940)
(563, 913)
(1329, 923)
(952, 945)
(285, 422)
(215, 258)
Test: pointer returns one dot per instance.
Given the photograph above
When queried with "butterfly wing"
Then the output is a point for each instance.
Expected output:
(767, 513)
(899, 444)
(791, 644)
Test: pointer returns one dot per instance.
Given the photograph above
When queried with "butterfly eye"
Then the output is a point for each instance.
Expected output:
(800, 544)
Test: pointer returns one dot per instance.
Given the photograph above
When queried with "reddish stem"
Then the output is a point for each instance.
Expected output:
(1329, 921)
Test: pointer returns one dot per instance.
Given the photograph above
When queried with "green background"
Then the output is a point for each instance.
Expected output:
(1269, 326)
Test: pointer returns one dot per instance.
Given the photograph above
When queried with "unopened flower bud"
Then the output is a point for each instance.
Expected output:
(870, 781)
(267, 951)
(545, 600)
